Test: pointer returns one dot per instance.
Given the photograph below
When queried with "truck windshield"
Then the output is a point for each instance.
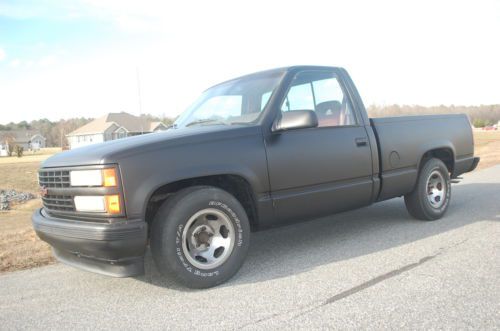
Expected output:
(239, 101)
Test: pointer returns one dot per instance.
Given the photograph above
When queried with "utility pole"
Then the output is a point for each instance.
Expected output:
(62, 137)
(139, 96)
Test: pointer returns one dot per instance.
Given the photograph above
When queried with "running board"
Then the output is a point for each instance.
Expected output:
(456, 180)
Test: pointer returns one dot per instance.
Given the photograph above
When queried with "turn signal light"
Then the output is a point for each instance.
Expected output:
(113, 204)
(109, 176)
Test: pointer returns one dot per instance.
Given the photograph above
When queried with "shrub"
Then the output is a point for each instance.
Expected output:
(19, 150)
(10, 148)
(481, 123)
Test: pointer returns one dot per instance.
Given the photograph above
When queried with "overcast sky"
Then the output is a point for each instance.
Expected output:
(61, 59)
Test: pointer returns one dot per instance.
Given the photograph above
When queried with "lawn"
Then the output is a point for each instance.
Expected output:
(487, 146)
(30, 156)
(20, 248)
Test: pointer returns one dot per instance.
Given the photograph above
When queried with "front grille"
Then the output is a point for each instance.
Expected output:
(54, 179)
(58, 202)
(58, 194)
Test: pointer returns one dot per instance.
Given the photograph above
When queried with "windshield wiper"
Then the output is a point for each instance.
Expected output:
(240, 123)
(205, 121)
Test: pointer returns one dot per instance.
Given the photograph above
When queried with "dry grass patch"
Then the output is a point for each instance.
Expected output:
(20, 173)
(487, 146)
(27, 157)
(20, 248)
(19, 176)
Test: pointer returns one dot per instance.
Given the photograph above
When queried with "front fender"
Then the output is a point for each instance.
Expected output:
(243, 156)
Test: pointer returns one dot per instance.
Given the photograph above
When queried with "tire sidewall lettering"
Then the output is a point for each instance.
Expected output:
(178, 241)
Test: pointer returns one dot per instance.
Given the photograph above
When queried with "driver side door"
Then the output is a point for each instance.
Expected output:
(321, 170)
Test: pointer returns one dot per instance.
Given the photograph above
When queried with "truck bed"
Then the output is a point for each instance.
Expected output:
(404, 140)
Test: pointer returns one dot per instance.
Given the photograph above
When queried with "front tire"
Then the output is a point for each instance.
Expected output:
(431, 196)
(200, 236)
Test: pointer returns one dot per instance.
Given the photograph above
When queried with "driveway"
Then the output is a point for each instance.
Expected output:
(372, 268)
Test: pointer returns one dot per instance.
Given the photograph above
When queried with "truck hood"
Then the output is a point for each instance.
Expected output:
(114, 150)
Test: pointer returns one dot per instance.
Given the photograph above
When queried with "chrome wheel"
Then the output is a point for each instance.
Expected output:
(208, 238)
(436, 189)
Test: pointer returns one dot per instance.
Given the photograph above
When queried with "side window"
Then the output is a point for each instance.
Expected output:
(327, 90)
(299, 97)
(321, 92)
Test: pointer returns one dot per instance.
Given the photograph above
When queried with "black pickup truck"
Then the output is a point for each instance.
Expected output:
(254, 152)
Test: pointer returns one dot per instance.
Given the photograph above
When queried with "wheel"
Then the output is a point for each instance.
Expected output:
(200, 236)
(431, 196)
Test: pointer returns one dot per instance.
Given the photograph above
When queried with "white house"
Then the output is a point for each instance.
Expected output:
(4, 150)
(27, 139)
(110, 127)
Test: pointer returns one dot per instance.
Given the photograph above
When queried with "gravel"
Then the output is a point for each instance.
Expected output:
(8, 196)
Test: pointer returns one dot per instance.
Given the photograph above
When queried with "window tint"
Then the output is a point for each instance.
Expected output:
(321, 92)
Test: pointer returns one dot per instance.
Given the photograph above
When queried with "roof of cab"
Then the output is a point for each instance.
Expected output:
(281, 70)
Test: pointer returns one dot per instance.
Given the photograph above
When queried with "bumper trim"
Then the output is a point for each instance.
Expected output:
(119, 230)
(121, 268)
(475, 162)
(114, 249)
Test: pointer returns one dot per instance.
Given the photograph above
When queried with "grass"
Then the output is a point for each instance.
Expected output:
(20, 248)
(30, 157)
(487, 147)
(19, 176)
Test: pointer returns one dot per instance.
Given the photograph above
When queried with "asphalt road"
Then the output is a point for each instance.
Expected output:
(373, 268)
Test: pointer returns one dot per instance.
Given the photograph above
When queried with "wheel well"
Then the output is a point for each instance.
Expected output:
(444, 154)
(233, 184)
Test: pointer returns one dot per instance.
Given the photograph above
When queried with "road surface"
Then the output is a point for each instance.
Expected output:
(373, 268)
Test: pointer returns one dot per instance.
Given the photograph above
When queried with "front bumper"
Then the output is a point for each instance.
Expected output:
(115, 249)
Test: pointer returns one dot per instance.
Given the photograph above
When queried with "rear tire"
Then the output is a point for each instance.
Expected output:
(431, 196)
(200, 236)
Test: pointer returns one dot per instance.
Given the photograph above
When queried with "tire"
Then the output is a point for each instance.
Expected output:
(216, 234)
(421, 203)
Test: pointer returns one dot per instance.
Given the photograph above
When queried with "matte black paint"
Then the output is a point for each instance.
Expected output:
(111, 248)
(294, 174)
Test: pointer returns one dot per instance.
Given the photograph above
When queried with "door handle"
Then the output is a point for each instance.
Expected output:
(360, 142)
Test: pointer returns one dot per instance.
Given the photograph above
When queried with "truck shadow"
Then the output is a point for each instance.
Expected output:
(293, 249)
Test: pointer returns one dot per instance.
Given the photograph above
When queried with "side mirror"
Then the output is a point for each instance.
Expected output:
(296, 119)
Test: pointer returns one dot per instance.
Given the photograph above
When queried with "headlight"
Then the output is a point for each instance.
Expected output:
(96, 204)
(90, 203)
(99, 177)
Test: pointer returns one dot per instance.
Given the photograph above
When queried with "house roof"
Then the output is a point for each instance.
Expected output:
(20, 136)
(154, 125)
(129, 122)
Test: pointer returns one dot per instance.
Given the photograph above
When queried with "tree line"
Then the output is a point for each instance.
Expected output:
(55, 131)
